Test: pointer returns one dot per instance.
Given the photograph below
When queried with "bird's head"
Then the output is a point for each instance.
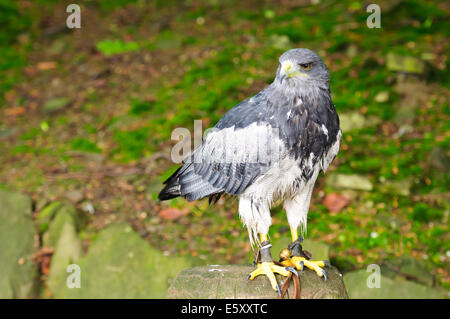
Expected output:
(302, 68)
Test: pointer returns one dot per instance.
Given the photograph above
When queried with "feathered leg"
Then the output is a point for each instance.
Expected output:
(297, 211)
(257, 219)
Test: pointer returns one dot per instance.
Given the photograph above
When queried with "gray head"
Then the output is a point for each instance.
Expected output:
(302, 69)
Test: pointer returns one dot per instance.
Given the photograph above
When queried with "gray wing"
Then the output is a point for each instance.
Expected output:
(240, 148)
(230, 159)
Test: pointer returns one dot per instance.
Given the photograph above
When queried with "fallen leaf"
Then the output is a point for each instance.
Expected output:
(30, 71)
(43, 258)
(47, 65)
(99, 83)
(10, 96)
(335, 202)
(171, 213)
(124, 186)
(13, 111)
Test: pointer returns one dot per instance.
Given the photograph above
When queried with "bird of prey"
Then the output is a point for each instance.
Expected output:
(268, 148)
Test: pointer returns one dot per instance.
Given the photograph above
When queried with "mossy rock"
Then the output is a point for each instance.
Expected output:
(60, 215)
(349, 181)
(229, 282)
(356, 283)
(62, 236)
(407, 266)
(120, 264)
(18, 273)
(405, 64)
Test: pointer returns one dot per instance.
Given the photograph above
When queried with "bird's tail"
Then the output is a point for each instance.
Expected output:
(186, 183)
(169, 192)
(172, 188)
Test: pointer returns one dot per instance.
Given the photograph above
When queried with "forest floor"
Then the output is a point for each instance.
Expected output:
(87, 115)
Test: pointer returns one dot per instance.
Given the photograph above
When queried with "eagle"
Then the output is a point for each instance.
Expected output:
(267, 149)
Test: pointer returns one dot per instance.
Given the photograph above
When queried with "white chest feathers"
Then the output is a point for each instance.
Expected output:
(285, 178)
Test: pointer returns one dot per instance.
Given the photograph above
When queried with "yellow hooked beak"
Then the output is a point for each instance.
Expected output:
(289, 71)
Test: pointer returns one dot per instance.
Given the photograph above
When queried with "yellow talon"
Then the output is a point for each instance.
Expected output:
(300, 262)
(294, 261)
(269, 269)
(316, 266)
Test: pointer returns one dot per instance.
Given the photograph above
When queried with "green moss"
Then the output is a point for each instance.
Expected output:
(138, 107)
(83, 144)
(112, 47)
(133, 144)
(424, 213)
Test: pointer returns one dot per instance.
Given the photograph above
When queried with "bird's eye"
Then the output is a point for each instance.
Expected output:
(306, 66)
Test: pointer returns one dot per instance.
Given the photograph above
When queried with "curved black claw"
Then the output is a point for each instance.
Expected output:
(302, 264)
(248, 278)
(278, 290)
(327, 263)
(324, 275)
(292, 270)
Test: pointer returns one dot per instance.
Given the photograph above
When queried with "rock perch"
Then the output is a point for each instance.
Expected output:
(229, 282)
